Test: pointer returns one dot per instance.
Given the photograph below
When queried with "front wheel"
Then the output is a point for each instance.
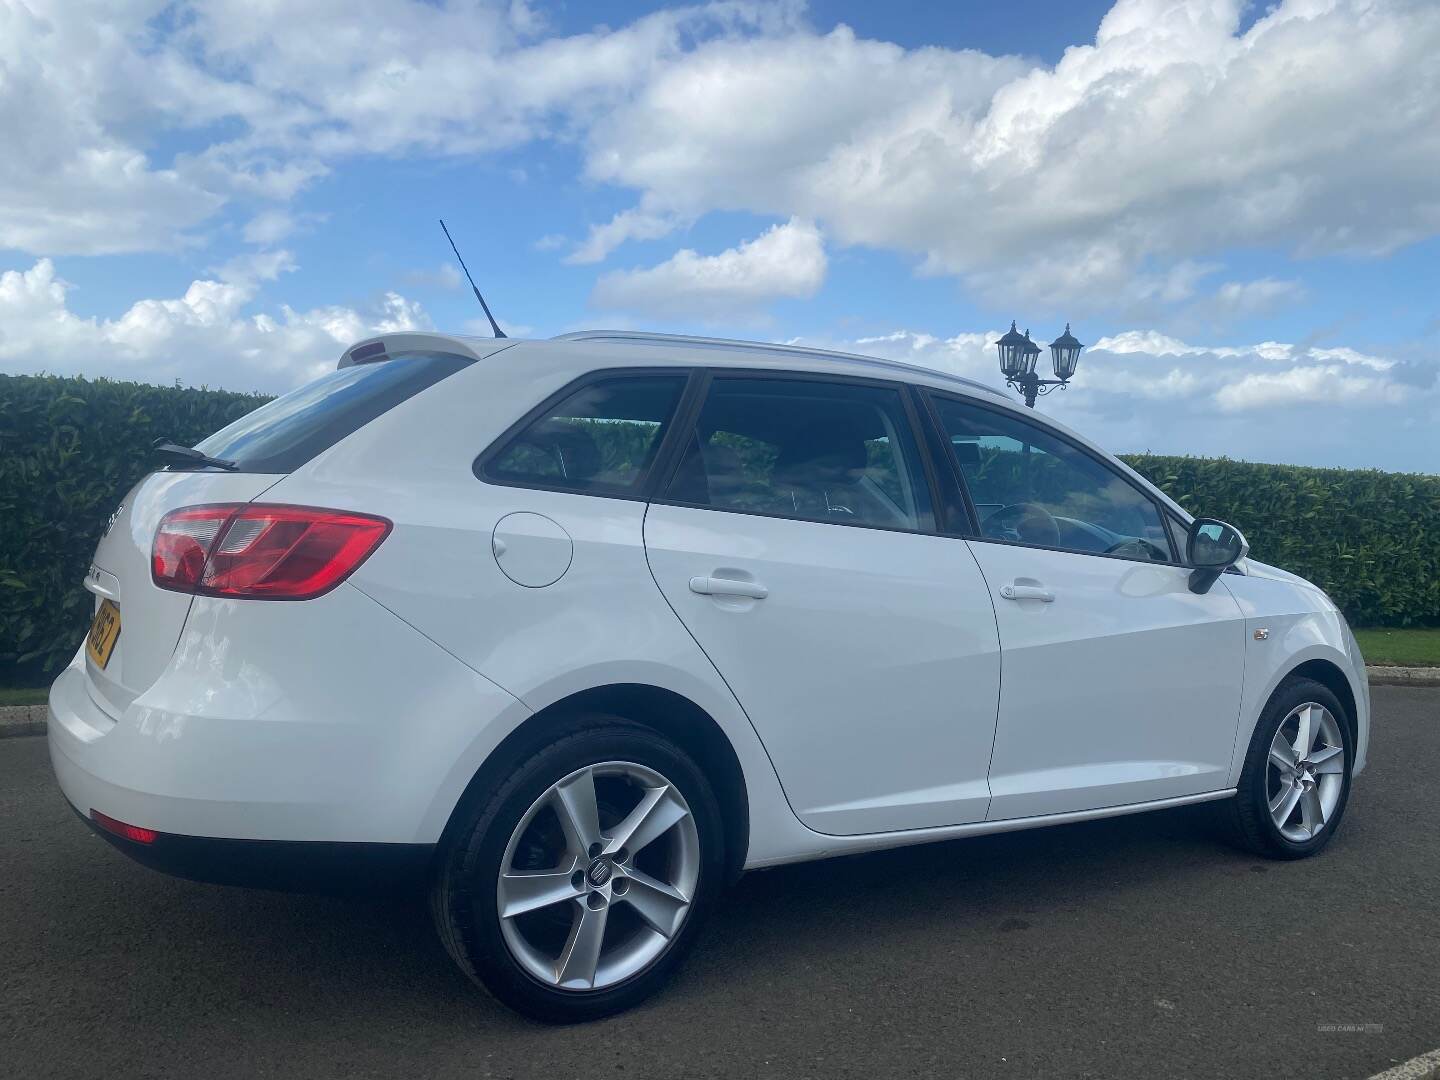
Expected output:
(577, 888)
(1296, 780)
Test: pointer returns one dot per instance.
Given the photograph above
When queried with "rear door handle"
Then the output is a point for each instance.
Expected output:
(724, 586)
(1026, 592)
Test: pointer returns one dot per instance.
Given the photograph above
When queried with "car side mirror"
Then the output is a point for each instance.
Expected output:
(1212, 548)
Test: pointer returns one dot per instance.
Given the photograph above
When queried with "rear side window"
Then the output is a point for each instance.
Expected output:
(601, 439)
(281, 436)
(835, 452)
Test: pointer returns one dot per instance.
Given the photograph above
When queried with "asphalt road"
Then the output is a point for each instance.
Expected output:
(1133, 947)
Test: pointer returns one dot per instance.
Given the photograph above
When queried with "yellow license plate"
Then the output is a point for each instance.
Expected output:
(104, 632)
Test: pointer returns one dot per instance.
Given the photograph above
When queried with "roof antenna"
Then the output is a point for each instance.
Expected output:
(493, 324)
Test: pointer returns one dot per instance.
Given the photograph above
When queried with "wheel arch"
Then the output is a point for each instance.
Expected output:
(1319, 659)
(1330, 676)
(671, 714)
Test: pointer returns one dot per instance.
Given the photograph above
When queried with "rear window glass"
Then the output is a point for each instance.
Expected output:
(600, 439)
(281, 436)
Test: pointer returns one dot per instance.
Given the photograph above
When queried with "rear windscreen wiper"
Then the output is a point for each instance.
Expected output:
(175, 454)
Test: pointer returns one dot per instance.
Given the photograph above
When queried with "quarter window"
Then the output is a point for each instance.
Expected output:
(835, 452)
(1031, 487)
(600, 439)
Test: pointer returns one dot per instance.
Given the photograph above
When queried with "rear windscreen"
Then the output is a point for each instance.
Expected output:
(286, 433)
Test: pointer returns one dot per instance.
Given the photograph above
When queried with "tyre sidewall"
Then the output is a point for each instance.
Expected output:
(471, 868)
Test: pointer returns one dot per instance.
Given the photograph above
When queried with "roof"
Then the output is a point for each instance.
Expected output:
(640, 337)
(374, 348)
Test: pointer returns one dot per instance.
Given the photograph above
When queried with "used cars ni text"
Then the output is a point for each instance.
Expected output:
(575, 631)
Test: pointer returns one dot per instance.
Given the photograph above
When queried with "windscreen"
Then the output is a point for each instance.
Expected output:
(286, 433)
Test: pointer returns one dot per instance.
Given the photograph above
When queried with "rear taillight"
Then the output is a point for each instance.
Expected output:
(261, 552)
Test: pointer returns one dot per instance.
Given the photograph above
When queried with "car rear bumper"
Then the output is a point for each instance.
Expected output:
(288, 865)
(279, 727)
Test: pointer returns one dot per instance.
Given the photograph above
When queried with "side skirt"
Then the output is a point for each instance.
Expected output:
(827, 846)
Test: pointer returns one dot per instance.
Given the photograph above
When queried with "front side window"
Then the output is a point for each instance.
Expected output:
(1032, 487)
(600, 439)
(802, 448)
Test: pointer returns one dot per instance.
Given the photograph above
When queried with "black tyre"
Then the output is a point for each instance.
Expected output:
(577, 888)
(1296, 780)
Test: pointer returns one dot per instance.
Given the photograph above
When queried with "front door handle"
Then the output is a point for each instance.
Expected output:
(1016, 591)
(724, 586)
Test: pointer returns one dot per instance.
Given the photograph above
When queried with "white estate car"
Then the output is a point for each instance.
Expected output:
(577, 630)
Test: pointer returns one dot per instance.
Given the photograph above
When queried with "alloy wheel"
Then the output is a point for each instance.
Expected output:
(1305, 774)
(598, 876)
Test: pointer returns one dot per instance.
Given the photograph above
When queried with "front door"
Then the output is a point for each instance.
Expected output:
(795, 542)
(1119, 685)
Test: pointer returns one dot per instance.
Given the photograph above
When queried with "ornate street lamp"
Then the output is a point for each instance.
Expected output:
(1018, 355)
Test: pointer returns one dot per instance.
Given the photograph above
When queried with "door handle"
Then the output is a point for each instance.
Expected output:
(724, 586)
(1026, 592)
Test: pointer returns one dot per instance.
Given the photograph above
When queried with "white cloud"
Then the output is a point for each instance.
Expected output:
(1257, 297)
(1271, 401)
(262, 99)
(1324, 383)
(1110, 177)
(445, 276)
(626, 225)
(1110, 180)
(205, 337)
(784, 261)
(268, 227)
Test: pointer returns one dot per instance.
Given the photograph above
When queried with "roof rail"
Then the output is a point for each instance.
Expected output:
(642, 337)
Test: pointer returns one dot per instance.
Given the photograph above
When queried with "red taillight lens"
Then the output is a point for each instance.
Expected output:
(119, 828)
(261, 552)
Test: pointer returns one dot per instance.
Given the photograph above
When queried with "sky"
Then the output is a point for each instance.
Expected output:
(1235, 205)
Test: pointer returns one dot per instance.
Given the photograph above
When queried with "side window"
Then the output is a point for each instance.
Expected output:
(601, 439)
(1031, 487)
(835, 452)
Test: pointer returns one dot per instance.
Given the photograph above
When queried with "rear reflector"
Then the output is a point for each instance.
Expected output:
(119, 828)
(259, 551)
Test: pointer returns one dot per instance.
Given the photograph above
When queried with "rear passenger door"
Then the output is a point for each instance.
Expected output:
(796, 541)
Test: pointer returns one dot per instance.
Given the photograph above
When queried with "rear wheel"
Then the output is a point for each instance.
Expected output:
(576, 889)
(1296, 780)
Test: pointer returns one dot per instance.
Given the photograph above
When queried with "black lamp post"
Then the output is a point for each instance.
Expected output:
(1018, 355)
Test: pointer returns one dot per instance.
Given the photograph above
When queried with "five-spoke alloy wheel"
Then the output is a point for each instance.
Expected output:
(1296, 778)
(574, 889)
(594, 871)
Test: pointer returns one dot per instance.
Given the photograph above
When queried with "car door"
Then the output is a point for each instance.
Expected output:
(795, 541)
(1119, 685)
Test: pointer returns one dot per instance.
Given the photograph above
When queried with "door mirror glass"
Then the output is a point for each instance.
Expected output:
(1214, 545)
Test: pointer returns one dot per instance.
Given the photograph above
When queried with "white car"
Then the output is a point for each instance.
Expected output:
(577, 630)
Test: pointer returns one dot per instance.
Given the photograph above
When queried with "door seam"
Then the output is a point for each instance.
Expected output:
(780, 780)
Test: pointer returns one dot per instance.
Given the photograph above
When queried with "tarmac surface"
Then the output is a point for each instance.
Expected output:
(1138, 946)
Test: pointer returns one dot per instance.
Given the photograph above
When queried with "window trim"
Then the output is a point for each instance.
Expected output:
(684, 422)
(657, 460)
(1161, 513)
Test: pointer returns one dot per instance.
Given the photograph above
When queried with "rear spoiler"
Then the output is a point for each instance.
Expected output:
(377, 349)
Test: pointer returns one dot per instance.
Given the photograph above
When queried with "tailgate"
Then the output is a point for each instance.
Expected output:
(150, 618)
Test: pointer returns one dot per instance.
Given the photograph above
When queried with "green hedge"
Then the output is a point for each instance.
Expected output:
(70, 448)
(1370, 539)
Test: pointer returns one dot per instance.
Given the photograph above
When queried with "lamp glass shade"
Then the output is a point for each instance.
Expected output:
(1032, 354)
(1013, 348)
(1065, 352)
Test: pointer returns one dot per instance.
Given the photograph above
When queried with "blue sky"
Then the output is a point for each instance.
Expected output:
(1234, 204)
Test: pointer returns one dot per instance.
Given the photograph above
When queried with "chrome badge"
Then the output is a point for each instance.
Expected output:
(113, 518)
